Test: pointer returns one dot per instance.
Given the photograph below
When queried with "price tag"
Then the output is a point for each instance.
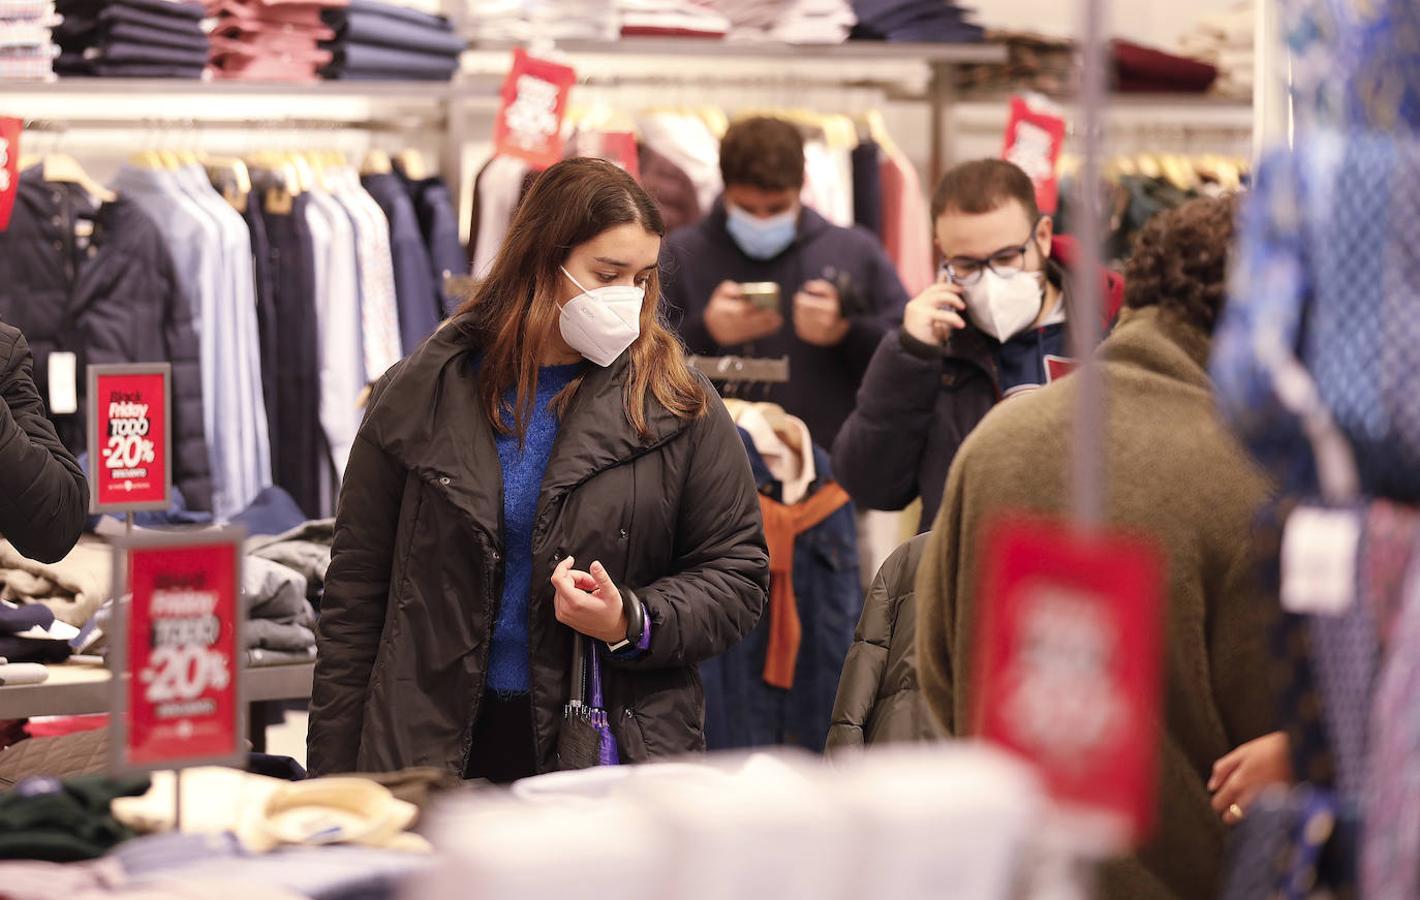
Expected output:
(130, 442)
(529, 123)
(177, 660)
(1068, 670)
(63, 370)
(1035, 133)
(1319, 549)
(10, 129)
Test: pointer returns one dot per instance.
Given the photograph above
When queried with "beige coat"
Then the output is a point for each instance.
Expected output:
(1173, 472)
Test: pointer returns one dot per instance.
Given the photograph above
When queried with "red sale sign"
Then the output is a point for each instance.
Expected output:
(177, 659)
(10, 129)
(529, 124)
(1035, 133)
(1068, 669)
(130, 442)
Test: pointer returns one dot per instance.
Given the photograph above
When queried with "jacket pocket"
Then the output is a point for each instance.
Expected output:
(630, 739)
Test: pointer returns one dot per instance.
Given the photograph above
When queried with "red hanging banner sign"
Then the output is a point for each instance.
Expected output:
(618, 147)
(10, 129)
(1068, 669)
(1035, 133)
(177, 663)
(529, 124)
(130, 441)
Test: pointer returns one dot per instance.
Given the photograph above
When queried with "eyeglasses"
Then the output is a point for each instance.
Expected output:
(1006, 262)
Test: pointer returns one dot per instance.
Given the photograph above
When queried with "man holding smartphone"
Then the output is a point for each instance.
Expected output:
(996, 324)
(838, 293)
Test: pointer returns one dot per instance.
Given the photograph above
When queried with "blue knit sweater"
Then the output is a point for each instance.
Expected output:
(509, 667)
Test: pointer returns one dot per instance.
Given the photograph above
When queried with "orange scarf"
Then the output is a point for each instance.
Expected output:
(782, 525)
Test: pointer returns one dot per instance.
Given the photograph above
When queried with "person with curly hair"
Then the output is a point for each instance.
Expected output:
(1175, 474)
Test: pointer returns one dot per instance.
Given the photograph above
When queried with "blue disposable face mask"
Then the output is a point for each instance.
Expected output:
(762, 238)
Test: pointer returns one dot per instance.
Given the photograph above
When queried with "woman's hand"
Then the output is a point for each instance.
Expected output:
(588, 602)
(1242, 775)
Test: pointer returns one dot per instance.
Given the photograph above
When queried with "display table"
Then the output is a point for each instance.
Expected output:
(78, 689)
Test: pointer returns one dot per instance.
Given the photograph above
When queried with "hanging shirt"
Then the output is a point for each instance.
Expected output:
(379, 310)
(224, 315)
(342, 371)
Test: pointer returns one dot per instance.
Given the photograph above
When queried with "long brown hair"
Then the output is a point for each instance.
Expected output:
(513, 311)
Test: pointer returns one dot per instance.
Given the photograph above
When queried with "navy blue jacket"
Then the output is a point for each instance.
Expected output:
(419, 302)
(823, 381)
(741, 710)
(112, 298)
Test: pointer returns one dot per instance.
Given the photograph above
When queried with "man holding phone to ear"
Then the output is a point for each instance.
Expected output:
(995, 325)
(838, 293)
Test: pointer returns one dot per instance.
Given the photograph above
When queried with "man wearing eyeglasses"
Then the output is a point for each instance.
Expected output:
(995, 324)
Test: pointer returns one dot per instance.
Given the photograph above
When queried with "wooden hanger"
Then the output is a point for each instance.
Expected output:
(376, 162)
(232, 177)
(61, 168)
(411, 163)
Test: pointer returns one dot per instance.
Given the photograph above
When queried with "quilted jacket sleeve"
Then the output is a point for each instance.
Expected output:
(878, 698)
(44, 496)
(353, 607)
(878, 450)
(722, 563)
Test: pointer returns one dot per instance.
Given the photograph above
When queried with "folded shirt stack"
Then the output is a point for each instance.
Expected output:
(671, 18)
(520, 21)
(1225, 40)
(1034, 62)
(131, 39)
(269, 40)
(816, 22)
(1141, 70)
(752, 20)
(915, 21)
(27, 48)
(377, 41)
(30, 634)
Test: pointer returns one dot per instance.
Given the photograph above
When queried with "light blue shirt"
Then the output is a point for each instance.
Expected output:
(342, 370)
(214, 269)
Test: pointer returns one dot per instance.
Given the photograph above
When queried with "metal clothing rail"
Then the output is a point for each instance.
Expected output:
(852, 62)
(257, 123)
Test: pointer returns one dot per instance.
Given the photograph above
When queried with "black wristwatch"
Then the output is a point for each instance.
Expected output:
(635, 622)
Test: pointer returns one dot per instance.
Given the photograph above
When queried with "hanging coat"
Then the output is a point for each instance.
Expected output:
(742, 708)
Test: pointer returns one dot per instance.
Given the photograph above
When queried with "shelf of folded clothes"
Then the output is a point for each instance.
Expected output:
(79, 689)
(867, 51)
(915, 22)
(1202, 111)
(131, 39)
(405, 91)
(27, 48)
(376, 41)
(256, 40)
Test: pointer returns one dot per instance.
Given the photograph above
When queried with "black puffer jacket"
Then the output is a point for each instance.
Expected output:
(878, 698)
(43, 494)
(412, 594)
(99, 282)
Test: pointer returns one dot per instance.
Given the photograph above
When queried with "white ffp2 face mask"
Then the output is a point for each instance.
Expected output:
(1004, 307)
(601, 324)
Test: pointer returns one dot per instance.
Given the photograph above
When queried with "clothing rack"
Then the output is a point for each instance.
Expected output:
(259, 123)
(743, 369)
(918, 73)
